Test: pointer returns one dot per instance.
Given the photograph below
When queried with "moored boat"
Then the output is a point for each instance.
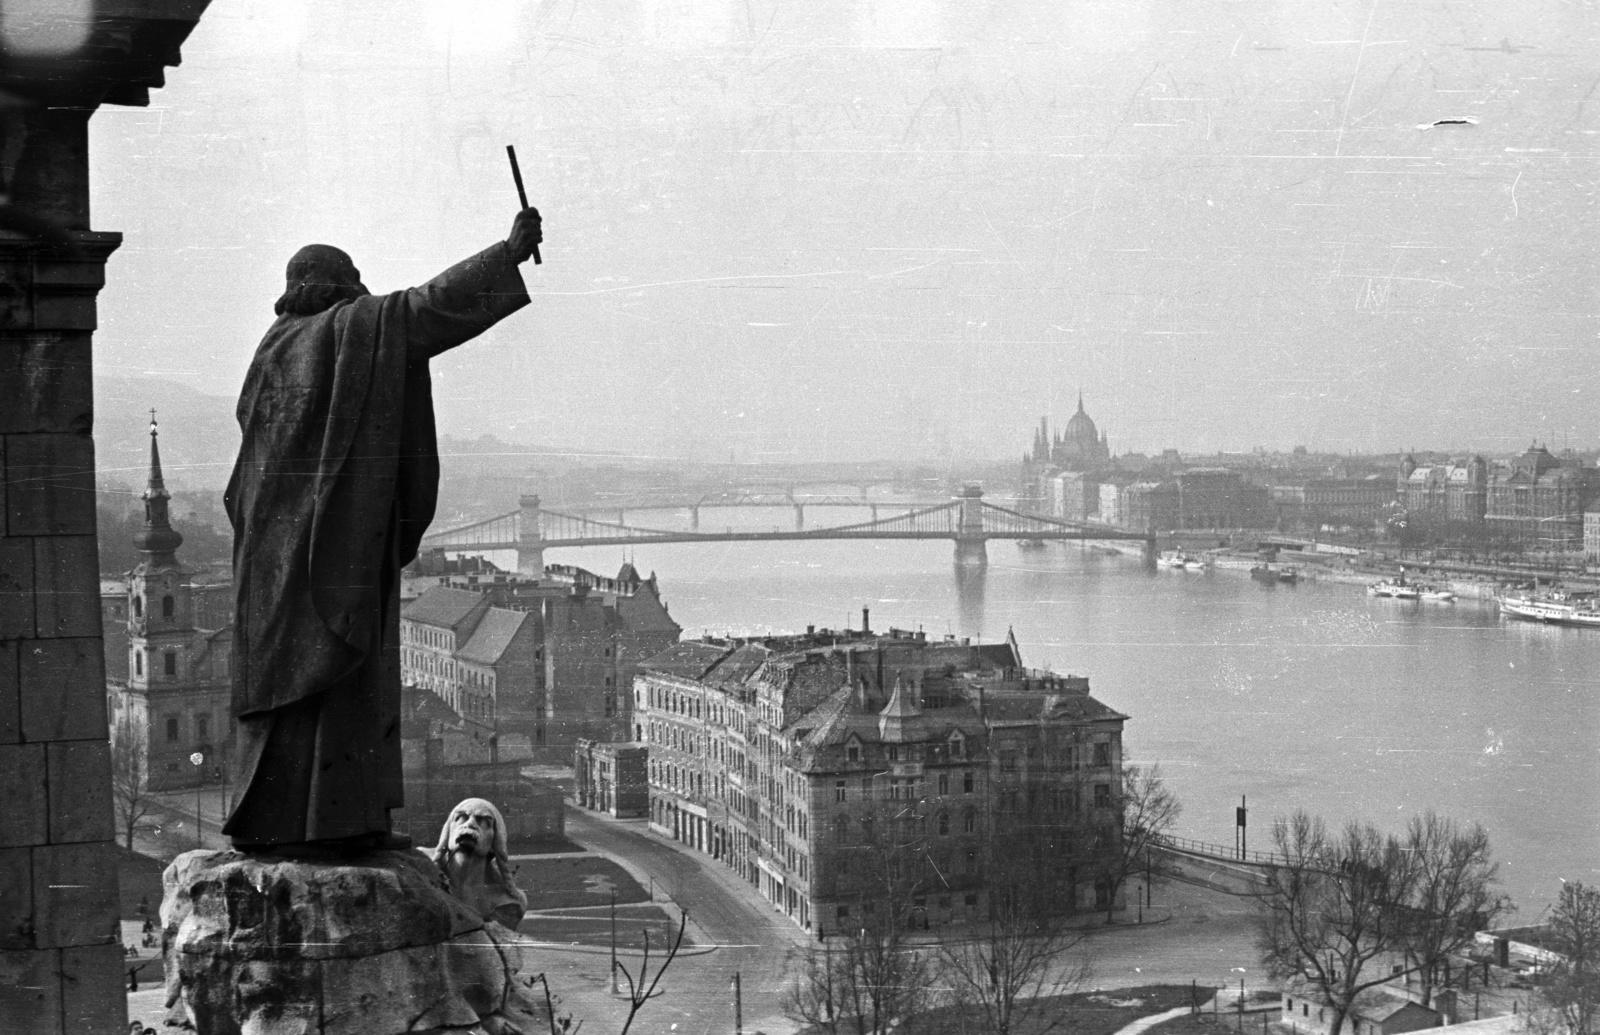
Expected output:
(1553, 608)
(1437, 594)
(1398, 589)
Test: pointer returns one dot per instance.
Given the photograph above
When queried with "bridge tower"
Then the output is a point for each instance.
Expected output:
(530, 540)
(970, 549)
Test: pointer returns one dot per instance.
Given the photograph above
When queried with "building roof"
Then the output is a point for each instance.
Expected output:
(837, 719)
(690, 659)
(1001, 655)
(1080, 427)
(1031, 707)
(443, 606)
(1376, 1004)
(741, 663)
(495, 631)
(420, 709)
(902, 705)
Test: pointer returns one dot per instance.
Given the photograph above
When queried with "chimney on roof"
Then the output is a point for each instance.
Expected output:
(866, 623)
(982, 711)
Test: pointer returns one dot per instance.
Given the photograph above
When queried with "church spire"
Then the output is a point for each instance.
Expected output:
(157, 540)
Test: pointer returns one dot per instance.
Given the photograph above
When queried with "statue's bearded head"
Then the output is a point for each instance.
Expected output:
(319, 275)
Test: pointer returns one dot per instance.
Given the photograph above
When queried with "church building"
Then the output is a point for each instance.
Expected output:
(169, 697)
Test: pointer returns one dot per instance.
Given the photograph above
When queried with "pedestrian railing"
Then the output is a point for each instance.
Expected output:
(1223, 853)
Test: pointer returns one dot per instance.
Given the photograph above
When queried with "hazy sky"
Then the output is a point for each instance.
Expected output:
(902, 228)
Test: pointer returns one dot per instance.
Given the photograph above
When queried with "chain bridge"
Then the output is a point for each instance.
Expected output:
(966, 520)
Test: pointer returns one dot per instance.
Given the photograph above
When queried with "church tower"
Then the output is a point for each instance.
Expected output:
(160, 608)
(172, 708)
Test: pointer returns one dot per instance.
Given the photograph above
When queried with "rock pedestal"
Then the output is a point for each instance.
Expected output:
(375, 945)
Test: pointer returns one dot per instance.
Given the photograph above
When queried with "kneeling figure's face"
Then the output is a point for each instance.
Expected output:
(472, 831)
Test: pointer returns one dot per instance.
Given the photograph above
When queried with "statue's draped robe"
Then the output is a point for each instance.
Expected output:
(336, 482)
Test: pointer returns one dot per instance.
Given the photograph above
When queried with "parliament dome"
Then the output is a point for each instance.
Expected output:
(1081, 427)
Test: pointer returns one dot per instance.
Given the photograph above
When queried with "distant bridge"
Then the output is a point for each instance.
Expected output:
(743, 499)
(966, 519)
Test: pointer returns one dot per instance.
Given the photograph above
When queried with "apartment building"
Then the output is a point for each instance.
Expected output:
(823, 766)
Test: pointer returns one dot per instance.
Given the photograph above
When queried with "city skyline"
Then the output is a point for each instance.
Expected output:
(1230, 225)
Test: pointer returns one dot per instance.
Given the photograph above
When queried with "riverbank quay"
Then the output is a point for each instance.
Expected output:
(1327, 562)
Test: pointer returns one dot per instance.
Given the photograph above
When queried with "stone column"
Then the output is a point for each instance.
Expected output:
(61, 968)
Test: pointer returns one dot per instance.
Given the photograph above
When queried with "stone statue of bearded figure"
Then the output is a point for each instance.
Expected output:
(472, 853)
(336, 481)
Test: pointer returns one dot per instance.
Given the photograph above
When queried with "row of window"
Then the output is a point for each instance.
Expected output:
(202, 728)
(169, 662)
(956, 748)
(411, 633)
(690, 706)
(169, 606)
(842, 912)
(903, 788)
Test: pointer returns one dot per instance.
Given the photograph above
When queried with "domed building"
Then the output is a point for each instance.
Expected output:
(1081, 445)
(1060, 476)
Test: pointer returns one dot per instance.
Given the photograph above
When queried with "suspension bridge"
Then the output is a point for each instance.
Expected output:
(967, 520)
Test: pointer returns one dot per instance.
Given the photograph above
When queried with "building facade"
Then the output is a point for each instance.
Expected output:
(1336, 502)
(612, 778)
(1539, 500)
(1457, 491)
(820, 767)
(169, 695)
(1218, 497)
(1149, 506)
(445, 757)
(547, 658)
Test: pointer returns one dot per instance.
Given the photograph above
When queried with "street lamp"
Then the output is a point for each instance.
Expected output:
(198, 759)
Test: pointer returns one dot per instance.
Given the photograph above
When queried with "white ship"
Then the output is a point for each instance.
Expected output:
(1553, 609)
(1399, 589)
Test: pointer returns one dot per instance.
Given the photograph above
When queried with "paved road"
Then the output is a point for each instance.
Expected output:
(751, 938)
(1208, 939)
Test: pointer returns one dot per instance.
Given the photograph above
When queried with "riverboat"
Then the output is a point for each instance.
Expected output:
(1264, 573)
(1553, 609)
(1437, 595)
(1177, 560)
(1398, 589)
(1289, 575)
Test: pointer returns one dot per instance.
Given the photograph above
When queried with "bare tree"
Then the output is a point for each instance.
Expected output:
(1149, 809)
(1328, 910)
(864, 979)
(1023, 956)
(129, 785)
(1008, 967)
(861, 981)
(643, 986)
(1571, 996)
(1452, 897)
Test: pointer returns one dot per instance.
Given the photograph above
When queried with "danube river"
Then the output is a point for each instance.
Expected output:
(1313, 696)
